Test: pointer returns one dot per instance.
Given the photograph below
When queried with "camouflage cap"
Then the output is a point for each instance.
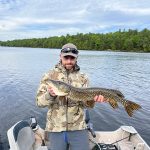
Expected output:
(69, 49)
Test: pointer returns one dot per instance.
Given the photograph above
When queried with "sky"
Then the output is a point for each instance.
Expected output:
(22, 19)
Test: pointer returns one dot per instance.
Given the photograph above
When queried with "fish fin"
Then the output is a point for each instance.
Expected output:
(117, 92)
(90, 104)
(113, 103)
(130, 107)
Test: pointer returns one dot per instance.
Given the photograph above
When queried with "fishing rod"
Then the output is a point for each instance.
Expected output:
(131, 134)
(102, 146)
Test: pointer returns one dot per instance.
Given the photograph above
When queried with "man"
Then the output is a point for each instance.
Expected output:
(65, 118)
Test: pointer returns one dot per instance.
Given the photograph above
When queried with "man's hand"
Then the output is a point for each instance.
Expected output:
(51, 92)
(99, 98)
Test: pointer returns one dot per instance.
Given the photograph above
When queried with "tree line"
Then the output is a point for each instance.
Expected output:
(122, 40)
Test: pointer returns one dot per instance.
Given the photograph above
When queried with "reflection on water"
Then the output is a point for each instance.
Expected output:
(21, 70)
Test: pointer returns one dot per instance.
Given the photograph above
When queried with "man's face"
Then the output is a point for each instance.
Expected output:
(68, 61)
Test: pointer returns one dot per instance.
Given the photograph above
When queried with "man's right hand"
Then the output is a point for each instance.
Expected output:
(51, 92)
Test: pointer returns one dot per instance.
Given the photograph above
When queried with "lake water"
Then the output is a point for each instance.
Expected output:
(22, 68)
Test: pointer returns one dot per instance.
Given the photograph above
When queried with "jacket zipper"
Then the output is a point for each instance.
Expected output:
(67, 105)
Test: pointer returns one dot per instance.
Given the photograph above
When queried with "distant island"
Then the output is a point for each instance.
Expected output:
(122, 40)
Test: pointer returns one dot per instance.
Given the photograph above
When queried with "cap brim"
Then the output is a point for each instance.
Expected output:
(69, 54)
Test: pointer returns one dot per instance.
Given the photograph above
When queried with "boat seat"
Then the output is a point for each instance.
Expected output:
(21, 137)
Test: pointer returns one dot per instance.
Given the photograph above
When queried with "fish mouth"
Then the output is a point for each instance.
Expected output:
(56, 90)
(58, 93)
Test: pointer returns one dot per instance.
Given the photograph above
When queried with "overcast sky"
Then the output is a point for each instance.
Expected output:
(21, 19)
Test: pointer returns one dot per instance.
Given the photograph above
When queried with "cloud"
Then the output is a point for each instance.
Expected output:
(44, 18)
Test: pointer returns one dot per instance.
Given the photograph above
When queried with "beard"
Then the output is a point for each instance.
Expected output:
(69, 66)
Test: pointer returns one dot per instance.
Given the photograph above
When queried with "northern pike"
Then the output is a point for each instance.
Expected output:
(87, 95)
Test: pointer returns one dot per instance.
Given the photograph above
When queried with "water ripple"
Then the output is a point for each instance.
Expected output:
(20, 74)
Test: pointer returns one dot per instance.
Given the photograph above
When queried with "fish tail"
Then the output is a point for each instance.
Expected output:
(130, 107)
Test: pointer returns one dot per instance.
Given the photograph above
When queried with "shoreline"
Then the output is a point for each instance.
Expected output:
(107, 50)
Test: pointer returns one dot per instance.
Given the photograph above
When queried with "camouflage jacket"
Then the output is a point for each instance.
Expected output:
(63, 114)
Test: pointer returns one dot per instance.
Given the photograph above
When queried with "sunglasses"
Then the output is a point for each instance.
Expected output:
(72, 50)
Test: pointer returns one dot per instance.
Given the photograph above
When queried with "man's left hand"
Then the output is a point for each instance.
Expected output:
(99, 98)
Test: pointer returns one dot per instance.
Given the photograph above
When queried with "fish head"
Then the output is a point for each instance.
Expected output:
(60, 88)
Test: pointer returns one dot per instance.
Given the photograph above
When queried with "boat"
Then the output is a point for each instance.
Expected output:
(28, 135)
(124, 138)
